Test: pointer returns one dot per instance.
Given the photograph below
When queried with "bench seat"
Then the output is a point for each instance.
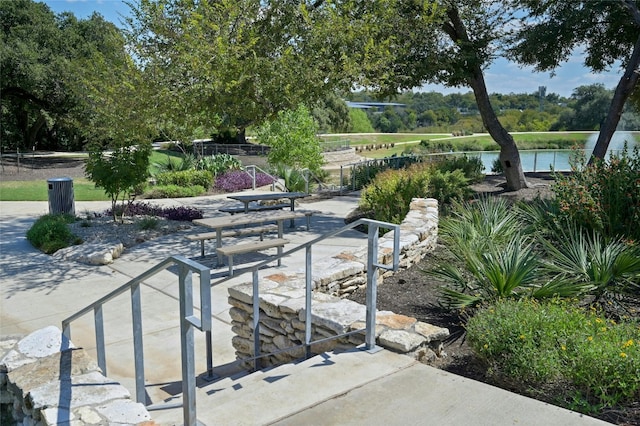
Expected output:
(258, 208)
(238, 232)
(232, 250)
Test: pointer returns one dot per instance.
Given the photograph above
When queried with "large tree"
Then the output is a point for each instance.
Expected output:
(225, 64)
(65, 81)
(404, 44)
(607, 30)
(31, 68)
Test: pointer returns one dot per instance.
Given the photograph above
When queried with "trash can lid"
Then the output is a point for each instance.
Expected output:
(59, 179)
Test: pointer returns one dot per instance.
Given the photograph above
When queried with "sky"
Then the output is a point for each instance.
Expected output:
(502, 77)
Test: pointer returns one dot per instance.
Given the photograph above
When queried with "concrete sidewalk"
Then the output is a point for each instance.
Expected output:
(353, 387)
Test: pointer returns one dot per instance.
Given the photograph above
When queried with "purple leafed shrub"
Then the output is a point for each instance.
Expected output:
(180, 213)
(238, 180)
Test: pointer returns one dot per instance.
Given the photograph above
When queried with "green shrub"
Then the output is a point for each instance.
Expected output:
(389, 195)
(218, 164)
(175, 191)
(471, 166)
(365, 173)
(148, 223)
(51, 233)
(186, 178)
(535, 346)
(448, 186)
(603, 196)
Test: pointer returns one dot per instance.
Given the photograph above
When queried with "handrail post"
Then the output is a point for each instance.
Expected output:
(187, 347)
(256, 321)
(136, 312)
(100, 348)
(307, 302)
(372, 282)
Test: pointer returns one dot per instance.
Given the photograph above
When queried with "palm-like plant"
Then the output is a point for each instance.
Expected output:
(605, 268)
(497, 249)
(480, 222)
(499, 271)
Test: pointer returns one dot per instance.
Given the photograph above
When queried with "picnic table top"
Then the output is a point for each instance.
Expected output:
(222, 222)
(268, 196)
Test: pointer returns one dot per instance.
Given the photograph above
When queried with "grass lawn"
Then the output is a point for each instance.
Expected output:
(83, 190)
(484, 142)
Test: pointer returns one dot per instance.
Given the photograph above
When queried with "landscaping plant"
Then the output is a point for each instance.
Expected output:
(388, 197)
(186, 178)
(603, 196)
(218, 164)
(181, 213)
(239, 179)
(120, 173)
(50, 233)
(496, 256)
(607, 269)
(583, 359)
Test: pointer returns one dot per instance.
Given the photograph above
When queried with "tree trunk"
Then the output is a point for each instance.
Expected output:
(509, 155)
(33, 131)
(624, 88)
(241, 137)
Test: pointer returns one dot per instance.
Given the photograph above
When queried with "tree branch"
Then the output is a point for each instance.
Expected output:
(633, 8)
(18, 92)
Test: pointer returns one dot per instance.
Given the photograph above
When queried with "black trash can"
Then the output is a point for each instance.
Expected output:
(61, 196)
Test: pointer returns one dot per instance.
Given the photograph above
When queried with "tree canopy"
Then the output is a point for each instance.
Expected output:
(608, 31)
(402, 45)
(65, 81)
(227, 64)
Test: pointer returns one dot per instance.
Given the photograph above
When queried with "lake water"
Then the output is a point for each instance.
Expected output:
(556, 159)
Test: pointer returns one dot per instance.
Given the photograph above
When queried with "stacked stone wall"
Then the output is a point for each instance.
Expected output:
(282, 301)
(42, 385)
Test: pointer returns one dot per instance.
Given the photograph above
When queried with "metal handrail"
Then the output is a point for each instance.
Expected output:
(251, 171)
(188, 321)
(372, 280)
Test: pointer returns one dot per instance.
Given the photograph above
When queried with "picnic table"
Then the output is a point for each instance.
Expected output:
(219, 224)
(247, 199)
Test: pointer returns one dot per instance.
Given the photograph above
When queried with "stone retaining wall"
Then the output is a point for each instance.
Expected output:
(39, 385)
(282, 303)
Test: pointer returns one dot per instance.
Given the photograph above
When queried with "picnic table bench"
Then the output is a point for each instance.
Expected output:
(229, 251)
(259, 221)
(253, 208)
(236, 232)
(260, 197)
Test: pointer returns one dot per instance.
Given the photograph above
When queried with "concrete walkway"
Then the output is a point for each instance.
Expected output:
(354, 387)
